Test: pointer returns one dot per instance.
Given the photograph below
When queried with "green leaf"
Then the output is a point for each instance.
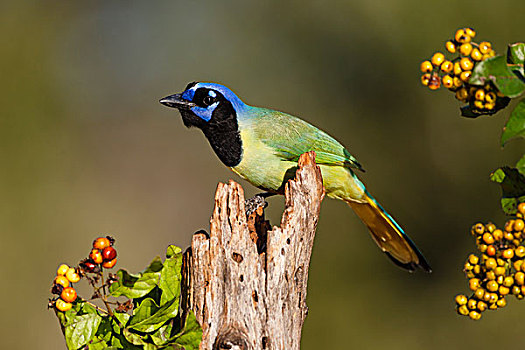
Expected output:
(515, 126)
(148, 317)
(496, 70)
(190, 336)
(512, 184)
(162, 335)
(516, 59)
(521, 165)
(79, 330)
(137, 286)
(171, 275)
(516, 53)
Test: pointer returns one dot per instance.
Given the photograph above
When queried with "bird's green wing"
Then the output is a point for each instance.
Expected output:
(290, 137)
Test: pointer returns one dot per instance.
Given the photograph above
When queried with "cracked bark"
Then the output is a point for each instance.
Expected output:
(246, 282)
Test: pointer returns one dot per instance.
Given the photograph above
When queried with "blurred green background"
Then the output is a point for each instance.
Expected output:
(87, 149)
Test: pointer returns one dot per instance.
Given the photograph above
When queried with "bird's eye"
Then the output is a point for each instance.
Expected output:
(208, 100)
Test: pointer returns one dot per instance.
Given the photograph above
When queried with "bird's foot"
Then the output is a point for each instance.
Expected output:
(256, 202)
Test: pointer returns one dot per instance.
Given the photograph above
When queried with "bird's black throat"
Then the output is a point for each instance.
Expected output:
(222, 131)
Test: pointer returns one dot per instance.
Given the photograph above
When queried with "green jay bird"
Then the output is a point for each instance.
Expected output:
(263, 147)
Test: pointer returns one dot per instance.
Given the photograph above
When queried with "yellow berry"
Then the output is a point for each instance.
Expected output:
(485, 56)
(447, 81)
(499, 279)
(519, 277)
(473, 259)
(462, 37)
(519, 224)
(488, 238)
(508, 253)
(491, 263)
(447, 66)
(499, 271)
(62, 305)
(465, 49)
(425, 79)
(458, 83)
(520, 252)
(516, 290)
(474, 315)
(509, 225)
(438, 58)
(457, 68)
(493, 298)
(490, 227)
(474, 284)
(481, 306)
(62, 269)
(492, 53)
(478, 228)
(484, 47)
(508, 281)
(72, 275)
(426, 67)
(476, 55)
(479, 293)
(465, 76)
(521, 208)
(501, 302)
(466, 63)
(63, 281)
(470, 32)
(450, 46)
(492, 286)
(461, 94)
(463, 310)
(471, 304)
(497, 234)
(517, 264)
(479, 104)
(490, 105)
(461, 299)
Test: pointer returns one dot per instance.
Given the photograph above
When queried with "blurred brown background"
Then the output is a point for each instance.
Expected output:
(86, 149)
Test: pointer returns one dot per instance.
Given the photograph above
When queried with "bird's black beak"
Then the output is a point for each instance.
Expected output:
(176, 101)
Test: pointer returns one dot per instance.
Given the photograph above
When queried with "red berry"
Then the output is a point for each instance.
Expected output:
(109, 253)
(88, 265)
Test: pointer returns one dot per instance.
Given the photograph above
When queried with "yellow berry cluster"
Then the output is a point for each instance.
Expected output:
(454, 74)
(61, 286)
(499, 271)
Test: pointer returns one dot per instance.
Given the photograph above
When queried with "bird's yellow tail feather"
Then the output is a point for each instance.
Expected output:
(388, 235)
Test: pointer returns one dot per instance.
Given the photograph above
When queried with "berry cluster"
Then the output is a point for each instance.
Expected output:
(103, 255)
(499, 271)
(61, 287)
(454, 74)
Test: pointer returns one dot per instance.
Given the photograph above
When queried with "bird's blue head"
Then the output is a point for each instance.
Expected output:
(203, 103)
(214, 109)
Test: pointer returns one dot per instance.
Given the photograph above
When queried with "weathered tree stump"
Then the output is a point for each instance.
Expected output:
(247, 284)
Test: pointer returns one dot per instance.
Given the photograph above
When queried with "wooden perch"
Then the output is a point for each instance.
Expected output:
(247, 284)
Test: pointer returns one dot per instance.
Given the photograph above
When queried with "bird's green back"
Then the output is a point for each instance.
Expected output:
(289, 137)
